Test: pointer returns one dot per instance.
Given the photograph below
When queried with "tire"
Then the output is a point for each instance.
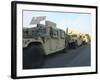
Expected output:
(33, 56)
(64, 50)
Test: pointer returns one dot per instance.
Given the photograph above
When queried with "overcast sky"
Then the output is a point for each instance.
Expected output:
(80, 21)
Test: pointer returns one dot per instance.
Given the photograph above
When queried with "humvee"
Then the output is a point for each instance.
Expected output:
(41, 40)
(75, 40)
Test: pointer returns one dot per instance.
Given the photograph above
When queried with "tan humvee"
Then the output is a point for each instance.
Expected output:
(75, 40)
(43, 39)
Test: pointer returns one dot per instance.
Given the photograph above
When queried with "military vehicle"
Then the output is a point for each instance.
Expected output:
(75, 41)
(42, 39)
(86, 38)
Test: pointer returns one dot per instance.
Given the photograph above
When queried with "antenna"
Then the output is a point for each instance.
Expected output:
(37, 20)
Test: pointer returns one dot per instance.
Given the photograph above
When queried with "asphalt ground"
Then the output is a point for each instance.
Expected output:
(81, 56)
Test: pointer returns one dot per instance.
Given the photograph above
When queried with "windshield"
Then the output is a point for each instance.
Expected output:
(74, 35)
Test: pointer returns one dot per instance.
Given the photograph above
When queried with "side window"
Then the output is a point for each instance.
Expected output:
(55, 33)
(62, 34)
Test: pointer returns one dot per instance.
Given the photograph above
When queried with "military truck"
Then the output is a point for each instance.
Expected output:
(41, 40)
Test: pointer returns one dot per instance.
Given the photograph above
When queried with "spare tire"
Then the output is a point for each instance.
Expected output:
(33, 56)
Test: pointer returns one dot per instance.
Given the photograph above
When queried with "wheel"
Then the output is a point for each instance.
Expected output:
(33, 56)
(64, 50)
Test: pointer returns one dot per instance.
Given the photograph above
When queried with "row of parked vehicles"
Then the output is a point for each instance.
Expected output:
(45, 39)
